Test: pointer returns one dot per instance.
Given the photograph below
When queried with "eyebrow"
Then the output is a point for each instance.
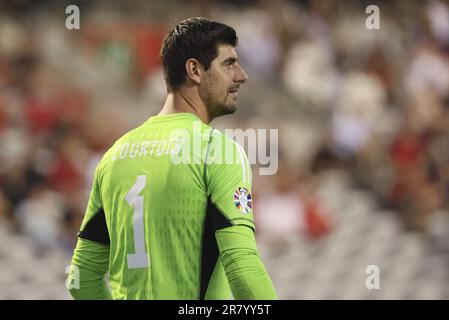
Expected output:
(230, 59)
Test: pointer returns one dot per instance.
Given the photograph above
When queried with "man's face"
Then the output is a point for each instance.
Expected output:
(220, 83)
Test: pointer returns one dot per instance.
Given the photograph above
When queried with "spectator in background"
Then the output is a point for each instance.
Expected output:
(379, 94)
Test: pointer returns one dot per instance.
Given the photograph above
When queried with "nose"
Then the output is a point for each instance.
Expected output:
(241, 75)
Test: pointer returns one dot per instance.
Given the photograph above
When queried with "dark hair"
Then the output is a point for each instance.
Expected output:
(196, 38)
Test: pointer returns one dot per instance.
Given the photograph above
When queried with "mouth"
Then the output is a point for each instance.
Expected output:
(234, 91)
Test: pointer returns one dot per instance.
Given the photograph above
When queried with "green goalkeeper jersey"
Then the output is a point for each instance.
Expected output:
(159, 195)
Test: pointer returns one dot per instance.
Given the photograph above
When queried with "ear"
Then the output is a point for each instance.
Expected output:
(193, 70)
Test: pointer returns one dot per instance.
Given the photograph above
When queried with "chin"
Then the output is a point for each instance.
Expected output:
(231, 109)
(225, 109)
(222, 110)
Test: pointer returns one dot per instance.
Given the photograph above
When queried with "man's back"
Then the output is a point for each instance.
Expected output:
(170, 212)
(152, 189)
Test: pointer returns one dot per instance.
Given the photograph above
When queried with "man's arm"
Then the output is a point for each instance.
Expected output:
(246, 273)
(229, 186)
(90, 263)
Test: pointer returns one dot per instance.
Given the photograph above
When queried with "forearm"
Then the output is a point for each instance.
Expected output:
(91, 285)
(247, 276)
(244, 269)
(89, 265)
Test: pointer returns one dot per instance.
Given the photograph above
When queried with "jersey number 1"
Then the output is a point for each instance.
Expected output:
(139, 259)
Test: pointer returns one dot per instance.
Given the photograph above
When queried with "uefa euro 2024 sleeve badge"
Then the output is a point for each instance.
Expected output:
(243, 200)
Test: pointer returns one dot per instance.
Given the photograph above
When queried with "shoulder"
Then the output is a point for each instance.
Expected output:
(125, 140)
(225, 150)
(228, 144)
(112, 152)
(219, 138)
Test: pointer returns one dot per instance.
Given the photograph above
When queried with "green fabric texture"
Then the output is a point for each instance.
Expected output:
(245, 271)
(91, 261)
(154, 185)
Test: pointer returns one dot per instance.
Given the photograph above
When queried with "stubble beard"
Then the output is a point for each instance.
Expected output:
(223, 110)
(217, 109)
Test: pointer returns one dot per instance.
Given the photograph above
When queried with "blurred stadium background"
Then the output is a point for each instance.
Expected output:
(363, 119)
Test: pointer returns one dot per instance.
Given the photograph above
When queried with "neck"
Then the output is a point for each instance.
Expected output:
(186, 100)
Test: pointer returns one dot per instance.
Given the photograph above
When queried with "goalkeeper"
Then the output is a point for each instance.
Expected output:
(170, 213)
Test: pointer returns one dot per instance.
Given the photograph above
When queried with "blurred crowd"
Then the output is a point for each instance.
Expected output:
(371, 102)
